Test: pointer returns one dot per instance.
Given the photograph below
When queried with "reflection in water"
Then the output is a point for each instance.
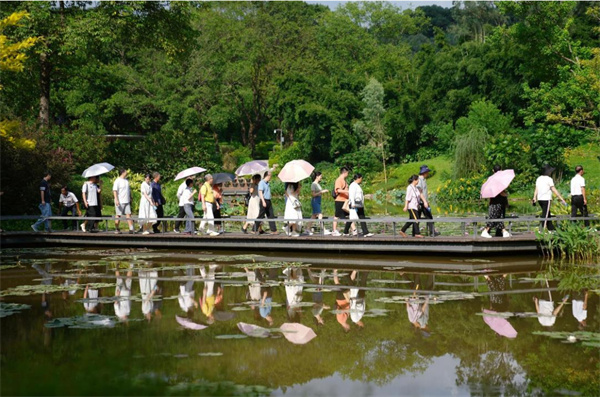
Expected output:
(545, 308)
(468, 355)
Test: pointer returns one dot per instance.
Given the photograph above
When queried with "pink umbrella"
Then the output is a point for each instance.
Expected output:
(297, 333)
(187, 323)
(252, 167)
(254, 330)
(189, 172)
(497, 183)
(295, 171)
(500, 325)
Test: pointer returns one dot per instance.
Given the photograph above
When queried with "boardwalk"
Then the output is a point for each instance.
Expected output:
(378, 244)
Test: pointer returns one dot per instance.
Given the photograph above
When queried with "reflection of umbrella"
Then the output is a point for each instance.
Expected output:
(97, 169)
(297, 333)
(252, 167)
(497, 183)
(295, 171)
(222, 177)
(189, 172)
(500, 325)
(187, 323)
(254, 330)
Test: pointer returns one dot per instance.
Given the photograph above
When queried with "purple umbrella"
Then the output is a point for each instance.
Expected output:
(499, 324)
(189, 172)
(497, 183)
(254, 330)
(252, 167)
(297, 333)
(186, 323)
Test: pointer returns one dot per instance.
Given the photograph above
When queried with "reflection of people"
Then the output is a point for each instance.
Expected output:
(123, 293)
(148, 289)
(418, 312)
(294, 284)
(317, 296)
(186, 296)
(498, 301)
(267, 297)
(92, 305)
(343, 302)
(579, 308)
(547, 312)
(209, 297)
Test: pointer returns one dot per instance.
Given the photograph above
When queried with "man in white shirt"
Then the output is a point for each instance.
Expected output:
(122, 195)
(91, 200)
(578, 199)
(181, 213)
(67, 202)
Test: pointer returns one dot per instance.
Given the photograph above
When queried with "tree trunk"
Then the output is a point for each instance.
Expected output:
(45, 70)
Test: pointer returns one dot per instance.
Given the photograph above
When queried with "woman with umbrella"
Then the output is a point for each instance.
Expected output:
(497, 210)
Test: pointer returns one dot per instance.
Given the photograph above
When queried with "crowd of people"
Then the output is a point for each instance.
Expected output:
(349, 201)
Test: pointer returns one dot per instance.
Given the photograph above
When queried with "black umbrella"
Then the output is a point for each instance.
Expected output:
(222, 177)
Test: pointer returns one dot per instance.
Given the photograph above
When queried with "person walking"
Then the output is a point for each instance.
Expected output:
(181, 213)
(253, 203)
(340, 192)
(122, 195)
(544, 187)
(45, 204)
(159, 200)
(147, 211)
(266, 208)
(315, 203)
(67, 202)
(497, 210)
(207, 197)
(218, 193)
(90, 193)
(411, 204)
(187, 202)
(293, 209)
(578, 198)
(425, 210)
(357, 206)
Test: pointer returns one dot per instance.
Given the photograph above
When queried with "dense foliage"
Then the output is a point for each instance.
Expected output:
(366, 84)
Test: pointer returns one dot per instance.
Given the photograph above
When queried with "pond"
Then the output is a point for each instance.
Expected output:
(142, 322)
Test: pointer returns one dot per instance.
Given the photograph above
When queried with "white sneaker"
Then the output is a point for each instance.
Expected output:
(176, 231)
(485, 234)
(213, 234)
(295, 234)
(310, 233)
(327, 232)
(146, 232)
(335, 233)
(369, 235)
(355, 233)
(505, 233)
(82, 226)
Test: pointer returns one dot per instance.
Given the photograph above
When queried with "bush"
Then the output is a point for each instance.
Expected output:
(366, 161)
(461, 190)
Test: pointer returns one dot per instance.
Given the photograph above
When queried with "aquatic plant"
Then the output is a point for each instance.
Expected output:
(570, 241)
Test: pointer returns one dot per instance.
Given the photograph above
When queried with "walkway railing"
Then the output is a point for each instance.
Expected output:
(448, 226)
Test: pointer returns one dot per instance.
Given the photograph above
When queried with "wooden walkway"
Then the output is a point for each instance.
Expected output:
(380, 245)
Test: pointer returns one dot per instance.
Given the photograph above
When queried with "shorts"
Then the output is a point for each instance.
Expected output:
(316, 205)
(339, 212)
(123, 209)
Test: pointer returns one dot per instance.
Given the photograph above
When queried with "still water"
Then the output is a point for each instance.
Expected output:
(118, 322)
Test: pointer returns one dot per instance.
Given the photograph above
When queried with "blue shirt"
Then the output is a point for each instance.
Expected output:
(266, 189)
(157, 193)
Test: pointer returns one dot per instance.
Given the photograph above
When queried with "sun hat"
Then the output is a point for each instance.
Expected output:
(424, 169)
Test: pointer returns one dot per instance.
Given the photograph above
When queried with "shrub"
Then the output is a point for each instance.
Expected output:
(461, 189)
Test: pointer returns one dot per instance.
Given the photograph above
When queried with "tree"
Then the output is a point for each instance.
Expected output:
(372, 125)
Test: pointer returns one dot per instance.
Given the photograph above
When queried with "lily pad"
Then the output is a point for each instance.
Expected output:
(236, 336)
(8, 309)
(210, 354)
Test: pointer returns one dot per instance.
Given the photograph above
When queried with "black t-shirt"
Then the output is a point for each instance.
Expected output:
(45, 187)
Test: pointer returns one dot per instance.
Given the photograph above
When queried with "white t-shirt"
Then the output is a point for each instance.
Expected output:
(576, 184)
(69, 200)
(121, 186)
(412, 196)
(578, 311)
(547, 317)
(186, 197)
(544, 185)
(91, 189)
(180, 190)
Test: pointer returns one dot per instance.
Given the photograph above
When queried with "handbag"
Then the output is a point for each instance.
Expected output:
(296, 204)
(247, 199)
(346, 206)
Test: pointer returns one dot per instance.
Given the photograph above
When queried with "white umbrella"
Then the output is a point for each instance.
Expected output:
(97, 169)
(295, 171)
(253, 167)
(189, 172)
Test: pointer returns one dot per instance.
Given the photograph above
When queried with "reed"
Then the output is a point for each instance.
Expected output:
(572, 242)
